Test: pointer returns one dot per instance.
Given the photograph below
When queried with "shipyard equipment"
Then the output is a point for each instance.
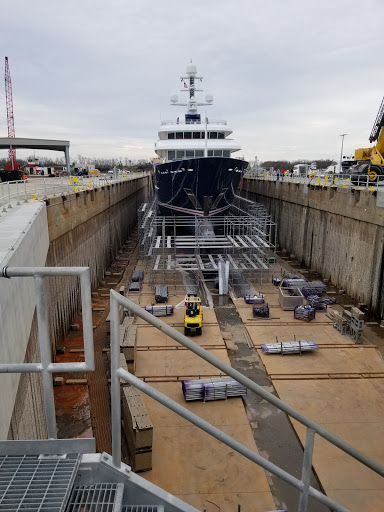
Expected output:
(370, 161)
(192, 315)
(12, 170)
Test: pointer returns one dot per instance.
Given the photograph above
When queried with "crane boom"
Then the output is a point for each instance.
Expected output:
(10, 116)
(378, 124)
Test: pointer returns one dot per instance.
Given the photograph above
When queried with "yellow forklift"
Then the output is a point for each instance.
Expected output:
(192, 315)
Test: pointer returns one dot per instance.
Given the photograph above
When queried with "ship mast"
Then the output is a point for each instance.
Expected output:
(189, 85)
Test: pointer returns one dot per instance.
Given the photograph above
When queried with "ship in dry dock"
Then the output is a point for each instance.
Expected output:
(198, 174)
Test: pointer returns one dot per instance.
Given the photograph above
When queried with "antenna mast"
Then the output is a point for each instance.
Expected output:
(10, 116)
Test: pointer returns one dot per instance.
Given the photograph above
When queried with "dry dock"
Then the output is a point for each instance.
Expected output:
(340, 386)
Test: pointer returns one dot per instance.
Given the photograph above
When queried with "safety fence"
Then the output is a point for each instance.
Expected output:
(356, 181)
(15, 193)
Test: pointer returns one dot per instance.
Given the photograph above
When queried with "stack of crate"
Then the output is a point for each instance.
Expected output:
(108, 323)
(128, 332)
(137, 429)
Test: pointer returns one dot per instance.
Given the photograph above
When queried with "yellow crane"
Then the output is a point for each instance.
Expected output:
(370, 161)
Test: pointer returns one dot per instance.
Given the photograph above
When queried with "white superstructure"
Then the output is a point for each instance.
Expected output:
(193, 135)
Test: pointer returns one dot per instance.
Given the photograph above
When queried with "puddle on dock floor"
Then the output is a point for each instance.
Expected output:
(72, 411)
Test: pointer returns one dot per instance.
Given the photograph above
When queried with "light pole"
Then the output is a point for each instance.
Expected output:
(342, 144)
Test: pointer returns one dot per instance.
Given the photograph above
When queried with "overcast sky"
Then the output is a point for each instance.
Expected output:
(289, 76)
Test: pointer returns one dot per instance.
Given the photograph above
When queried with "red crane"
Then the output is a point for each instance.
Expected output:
(10, 117)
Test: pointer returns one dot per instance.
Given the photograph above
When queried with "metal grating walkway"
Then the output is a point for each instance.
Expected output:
(31, 484)
(96, 498)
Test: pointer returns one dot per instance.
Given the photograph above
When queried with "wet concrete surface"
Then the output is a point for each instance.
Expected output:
(274, 435)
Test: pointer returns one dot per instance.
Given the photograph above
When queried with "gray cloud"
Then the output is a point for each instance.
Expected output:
(288, 76)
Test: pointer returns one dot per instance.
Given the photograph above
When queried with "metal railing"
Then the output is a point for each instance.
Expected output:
(14, 193)
(313, 428)
(47, 367)
(355, 181)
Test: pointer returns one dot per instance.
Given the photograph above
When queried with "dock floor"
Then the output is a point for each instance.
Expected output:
(340, 386)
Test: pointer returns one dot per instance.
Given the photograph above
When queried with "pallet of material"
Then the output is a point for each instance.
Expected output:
(258, 298)
(137, 428)
(306, 313)
(163, 310)
(137, 276)
(260, 310)
(128, 332)
(289, 347)
(161, 293)
(135, 286)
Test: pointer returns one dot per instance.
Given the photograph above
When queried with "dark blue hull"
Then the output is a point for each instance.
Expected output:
(198, 186)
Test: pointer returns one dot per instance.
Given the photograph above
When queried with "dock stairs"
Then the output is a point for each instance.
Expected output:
(69, 483)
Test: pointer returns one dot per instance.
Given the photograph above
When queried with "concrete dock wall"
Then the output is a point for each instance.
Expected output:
(28, 225)
(80, 229)
(336, 231)
(87, 229)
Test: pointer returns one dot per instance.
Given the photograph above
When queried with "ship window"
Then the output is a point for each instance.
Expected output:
(210, 152)
(171, 135)
(179, 135)
(179, 154)
(187, 135)
(203, 135)
(226, 153)
(189, 154)
(220, 135)
(199, 152)
(218, 152)
(171, 155)
(213, 135)
(196, 135)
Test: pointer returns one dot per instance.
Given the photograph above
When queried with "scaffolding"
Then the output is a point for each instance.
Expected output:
(245, 238)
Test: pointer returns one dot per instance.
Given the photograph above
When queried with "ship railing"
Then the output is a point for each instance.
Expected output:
(217, 121)
(202, 122)
(15, 193)
(117, 301)
(348, 181)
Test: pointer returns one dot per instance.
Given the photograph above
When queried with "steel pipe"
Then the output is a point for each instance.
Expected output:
(45, 353)
(306, 469)
(21, 368)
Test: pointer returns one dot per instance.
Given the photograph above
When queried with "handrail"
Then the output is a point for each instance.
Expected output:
(117, 373)
(350, 181)
(47, 367)
(15, 192)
